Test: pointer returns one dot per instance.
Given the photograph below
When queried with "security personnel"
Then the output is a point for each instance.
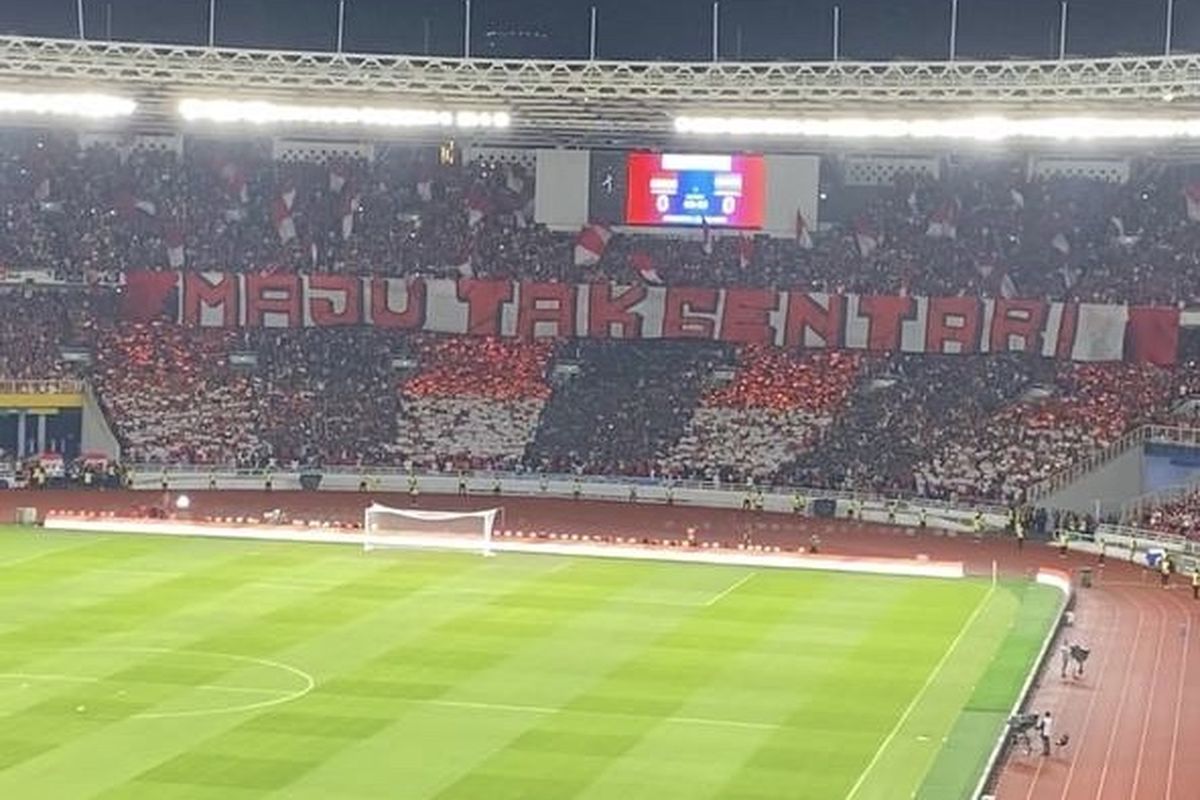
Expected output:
(797, 503)
(1196, 582)
(269, 482)
(1019, 530)
(922, 517)
(462, 484)
(212, 480)
(413, 490)
(496, 486)
(670, 494)
(576, 488)
(977, 523)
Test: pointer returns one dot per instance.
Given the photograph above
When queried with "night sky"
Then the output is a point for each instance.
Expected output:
(634, 29)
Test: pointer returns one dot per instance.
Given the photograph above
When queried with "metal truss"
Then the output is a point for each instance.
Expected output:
(603, 103)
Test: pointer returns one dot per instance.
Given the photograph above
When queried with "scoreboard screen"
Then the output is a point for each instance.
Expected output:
(722, 191)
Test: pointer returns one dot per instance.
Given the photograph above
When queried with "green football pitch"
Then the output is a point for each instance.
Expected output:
(189, 668)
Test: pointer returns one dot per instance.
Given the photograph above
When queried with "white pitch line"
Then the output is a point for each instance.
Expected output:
(547, 710)
(730, 590)
(207, 687)
(928, 682)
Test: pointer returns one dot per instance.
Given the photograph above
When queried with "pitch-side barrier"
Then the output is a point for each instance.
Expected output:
(559, 545)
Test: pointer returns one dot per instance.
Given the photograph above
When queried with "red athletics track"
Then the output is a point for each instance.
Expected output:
(1134, 719)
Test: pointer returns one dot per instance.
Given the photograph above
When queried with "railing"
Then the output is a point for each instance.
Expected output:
(1135, 510)
(1131, 537)
(531, 481)
(1159, 434)
(56, 386)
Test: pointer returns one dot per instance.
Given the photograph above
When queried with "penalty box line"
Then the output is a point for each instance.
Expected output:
(862, 778)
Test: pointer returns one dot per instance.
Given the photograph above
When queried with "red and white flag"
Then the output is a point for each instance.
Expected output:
(1191, 193)
(41, 189)
(235, 180)
(425, 190)
(803, 236)
(745, 251)
(478, 206)
(943, 223)
(590, 245)
(349, 208)
(866, 236)
(513, 181)
(643, 264)
(337, 178)
(281, 215)
(128, 205)
(173, 240)
(1061, 243)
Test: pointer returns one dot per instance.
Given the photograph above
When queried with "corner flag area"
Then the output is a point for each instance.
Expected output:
(157, 667)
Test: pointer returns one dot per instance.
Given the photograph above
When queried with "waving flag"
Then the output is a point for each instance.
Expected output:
(643, 264)
(173, 240)
(943, 224)
(281, 215)
(590, 245)
(1191, 194)
(803, 236)
(866, 236)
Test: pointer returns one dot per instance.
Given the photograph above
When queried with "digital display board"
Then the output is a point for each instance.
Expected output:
(722, 191)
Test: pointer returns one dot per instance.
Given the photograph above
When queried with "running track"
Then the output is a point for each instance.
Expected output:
(1134, 719)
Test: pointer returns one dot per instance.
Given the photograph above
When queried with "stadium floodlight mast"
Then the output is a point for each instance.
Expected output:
(953, 29)
(341, 26)
(67, 104)
(1062, 32)
(265, 112)
(980, 129)
(837, 33)
(592, 37)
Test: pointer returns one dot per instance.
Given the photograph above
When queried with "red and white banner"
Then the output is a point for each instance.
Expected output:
(1080, 332)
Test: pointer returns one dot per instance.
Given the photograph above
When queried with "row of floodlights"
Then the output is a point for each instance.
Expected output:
(978, 128)
(265, 113)
(250, 112)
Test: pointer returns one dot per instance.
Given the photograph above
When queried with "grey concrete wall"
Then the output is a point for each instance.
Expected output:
(1113, 484)
(96, 435)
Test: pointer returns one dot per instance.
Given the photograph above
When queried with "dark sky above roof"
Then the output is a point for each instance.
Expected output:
(634, 29)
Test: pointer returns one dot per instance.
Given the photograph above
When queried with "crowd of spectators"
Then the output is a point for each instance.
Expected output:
(92, 212)
(1072, 411)
(474, 403)
(775, 407)
(907, 409)
(966, 426)
(625, 408)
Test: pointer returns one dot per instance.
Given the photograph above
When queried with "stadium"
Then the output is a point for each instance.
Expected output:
(519, 423)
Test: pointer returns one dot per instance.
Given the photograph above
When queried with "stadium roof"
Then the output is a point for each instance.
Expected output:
(602, 103)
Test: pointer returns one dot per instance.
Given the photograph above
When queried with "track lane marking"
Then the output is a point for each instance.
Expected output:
(1149, 704)
(1125, 684)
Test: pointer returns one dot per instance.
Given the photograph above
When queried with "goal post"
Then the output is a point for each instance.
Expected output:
(385, 526)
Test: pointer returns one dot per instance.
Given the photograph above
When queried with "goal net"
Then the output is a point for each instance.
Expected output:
(384, 526)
